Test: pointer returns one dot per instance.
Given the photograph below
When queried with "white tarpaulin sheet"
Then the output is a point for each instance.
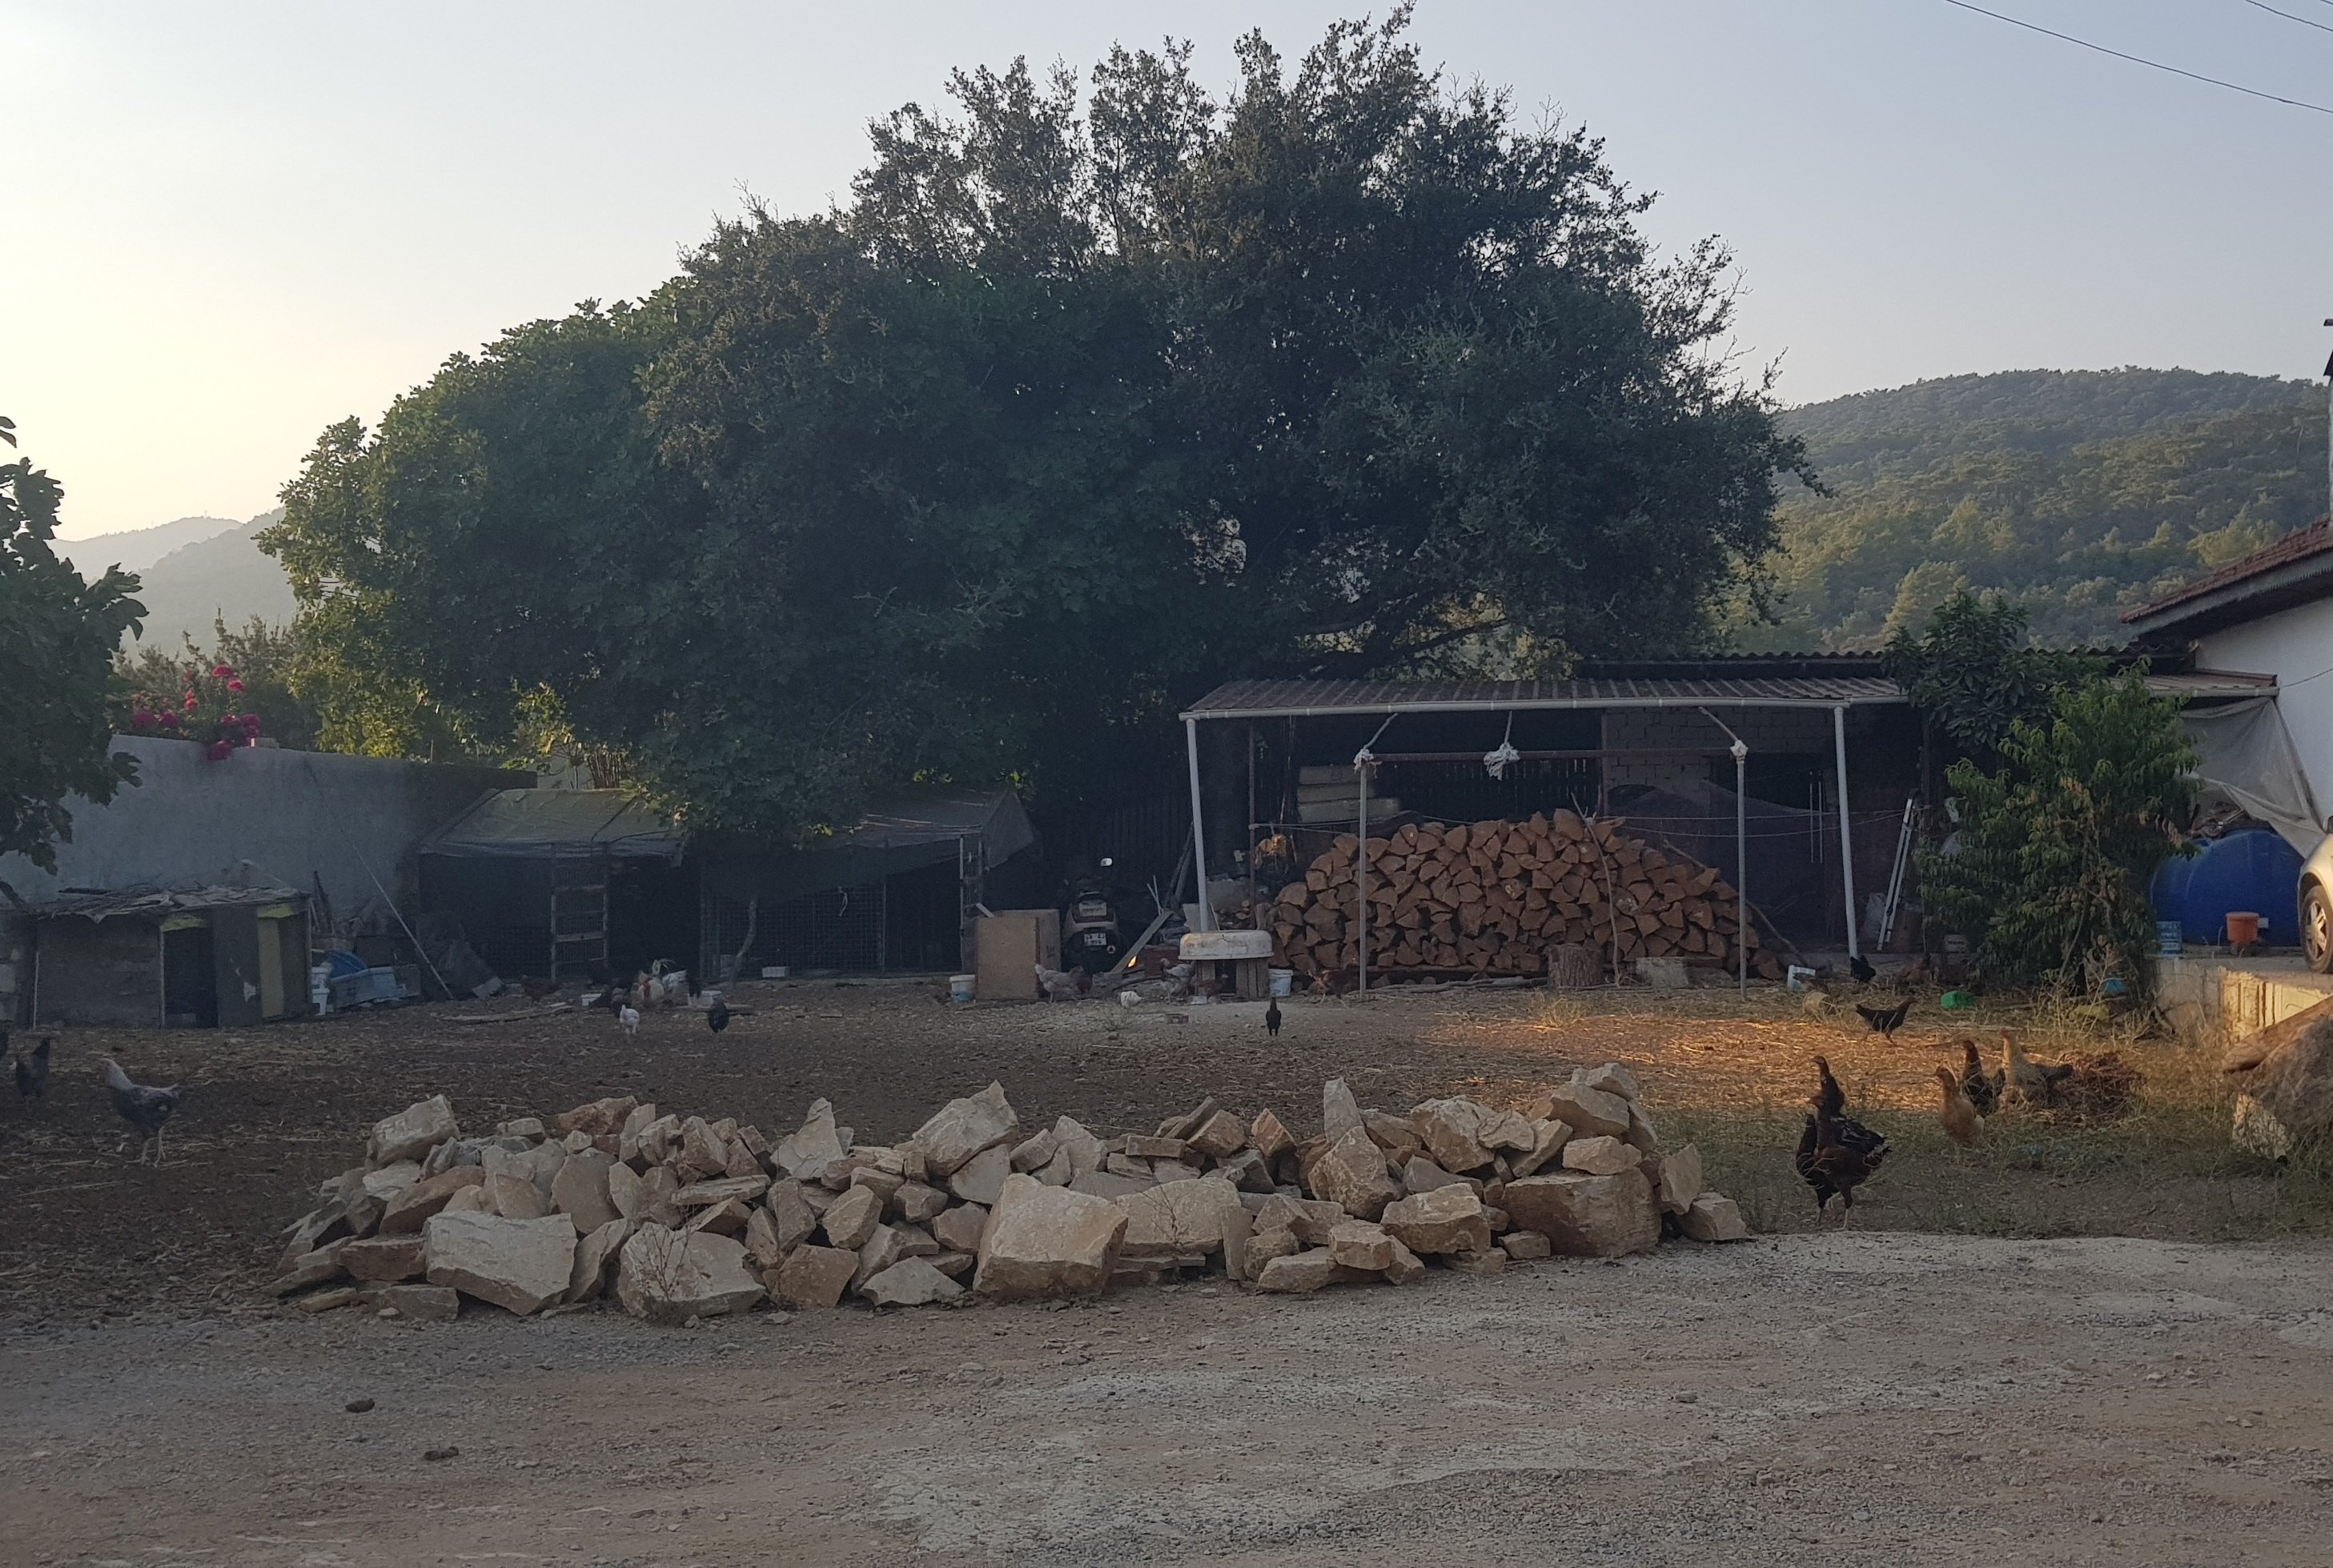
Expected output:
(2243, 752)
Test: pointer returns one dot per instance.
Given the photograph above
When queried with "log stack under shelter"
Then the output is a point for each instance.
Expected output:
(1501, 897)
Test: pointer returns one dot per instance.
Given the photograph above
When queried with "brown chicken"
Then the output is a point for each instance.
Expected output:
(1962, 1124)
(1835, 1152)
(541, 990)
(2035, 1082)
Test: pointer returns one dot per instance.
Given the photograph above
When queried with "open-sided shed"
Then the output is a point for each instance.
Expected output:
(561, 883)
(193, 958)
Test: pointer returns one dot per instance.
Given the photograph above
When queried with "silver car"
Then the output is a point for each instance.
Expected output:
(2316, 908)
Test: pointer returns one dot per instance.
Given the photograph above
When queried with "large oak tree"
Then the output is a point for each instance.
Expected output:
(1088, 397)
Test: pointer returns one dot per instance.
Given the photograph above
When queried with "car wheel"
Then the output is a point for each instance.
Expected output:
(2316, 928)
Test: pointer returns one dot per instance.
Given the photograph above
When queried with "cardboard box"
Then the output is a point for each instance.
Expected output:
(1008, 946)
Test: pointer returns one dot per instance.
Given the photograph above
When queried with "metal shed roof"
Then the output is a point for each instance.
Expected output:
(1312, 699)
(94, 903)
(530, 824)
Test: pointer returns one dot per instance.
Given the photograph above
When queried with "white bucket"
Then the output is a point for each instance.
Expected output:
(773, 971)
(960, 987)
(1283, 983)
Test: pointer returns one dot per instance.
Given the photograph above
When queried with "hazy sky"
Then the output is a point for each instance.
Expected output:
(230, 224)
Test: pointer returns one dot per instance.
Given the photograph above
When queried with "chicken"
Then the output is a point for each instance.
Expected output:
(1962, 1124)
(1860, 968)
(32, 1068)
(1885, 1020)
(2035, 1082)
(628, 1019)
(1982, 1089)
(145, 1109)
(614, 997)
(1272, 1018)
(541, 990)
(1835, 1146)
(1060, 985)
(717, 1017)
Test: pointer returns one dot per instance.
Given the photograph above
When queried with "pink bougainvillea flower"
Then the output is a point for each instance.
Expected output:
(233, 685)
(189, 703)
(220, 750)
(222, 671)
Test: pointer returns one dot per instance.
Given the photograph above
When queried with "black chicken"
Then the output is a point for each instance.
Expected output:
(1837, 1153)
(33, 1070)
(1860, 968)
(145, 1109)
(1886, 1020)
(1271, 1017)
(717, 1017)
(1982, 1089)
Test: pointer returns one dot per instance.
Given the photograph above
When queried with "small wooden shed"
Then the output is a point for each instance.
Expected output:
(187, 957)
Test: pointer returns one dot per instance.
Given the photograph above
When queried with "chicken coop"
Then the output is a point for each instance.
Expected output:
(893, 896)
(564, 884)
(193, 958)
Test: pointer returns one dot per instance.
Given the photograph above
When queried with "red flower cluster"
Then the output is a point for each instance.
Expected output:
(229, 731)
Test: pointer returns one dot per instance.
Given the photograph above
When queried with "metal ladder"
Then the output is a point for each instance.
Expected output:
(579, 916)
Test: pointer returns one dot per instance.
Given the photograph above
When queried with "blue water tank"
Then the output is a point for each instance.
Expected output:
(2251, 869)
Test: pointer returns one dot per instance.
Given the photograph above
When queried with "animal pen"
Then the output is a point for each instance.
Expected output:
(895, 894)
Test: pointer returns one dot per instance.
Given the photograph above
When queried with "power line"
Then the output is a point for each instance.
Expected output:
(2137, 60)
(2288, 16)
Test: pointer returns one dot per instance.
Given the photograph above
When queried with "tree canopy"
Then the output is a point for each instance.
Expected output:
(58, 632)
(1092, 393)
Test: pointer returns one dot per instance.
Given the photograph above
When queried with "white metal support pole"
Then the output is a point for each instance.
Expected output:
(1361, 860)
(1198, 830)
(1846, 834)
(1741, 858)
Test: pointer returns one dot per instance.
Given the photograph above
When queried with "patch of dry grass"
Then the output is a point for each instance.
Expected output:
(1732, 1077)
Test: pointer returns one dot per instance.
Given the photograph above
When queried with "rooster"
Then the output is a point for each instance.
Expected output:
(1885, 1020)
(1962, 1122)
(1855, 1150)
(145, 1109)
(1982, 1089)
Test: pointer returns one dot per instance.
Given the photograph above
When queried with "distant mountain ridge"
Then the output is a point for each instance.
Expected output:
(136, 548)
(2081, 491)
(223, 577)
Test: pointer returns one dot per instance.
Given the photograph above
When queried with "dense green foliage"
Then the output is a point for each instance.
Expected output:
(2080, 494)
(1079, 404)
(1972, 672)
(58, 632)
(2048, 870)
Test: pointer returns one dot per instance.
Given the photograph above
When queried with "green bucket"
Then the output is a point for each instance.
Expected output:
(1953, 1001)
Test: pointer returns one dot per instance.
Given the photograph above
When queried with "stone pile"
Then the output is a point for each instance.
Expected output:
(681, 1219)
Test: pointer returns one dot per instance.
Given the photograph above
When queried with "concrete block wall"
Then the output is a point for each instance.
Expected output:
(260, 816)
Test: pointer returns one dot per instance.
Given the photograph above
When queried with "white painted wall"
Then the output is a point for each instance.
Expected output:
(2296, 647)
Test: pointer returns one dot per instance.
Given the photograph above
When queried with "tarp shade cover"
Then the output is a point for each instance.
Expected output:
(538, 824)
(902, 832)
(2243, 752)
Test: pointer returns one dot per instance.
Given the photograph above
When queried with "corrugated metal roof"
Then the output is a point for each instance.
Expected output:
(1300, 699)
(1319, 698)
(933, 815)
(2299, 545)
(95, 904)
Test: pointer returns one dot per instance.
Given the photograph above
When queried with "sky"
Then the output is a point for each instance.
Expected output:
(230, 224)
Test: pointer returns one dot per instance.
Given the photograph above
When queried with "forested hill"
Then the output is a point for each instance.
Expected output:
(2082, 492)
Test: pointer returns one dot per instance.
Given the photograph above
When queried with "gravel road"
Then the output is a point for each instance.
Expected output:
(1834, 1399)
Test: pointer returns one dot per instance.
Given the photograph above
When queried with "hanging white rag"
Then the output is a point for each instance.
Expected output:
(1495, 762)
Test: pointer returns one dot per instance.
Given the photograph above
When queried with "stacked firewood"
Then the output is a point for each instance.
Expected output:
(1499, 898)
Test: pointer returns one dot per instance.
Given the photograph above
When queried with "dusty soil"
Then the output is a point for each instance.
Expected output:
(1880, 1395)
(1850, 1400)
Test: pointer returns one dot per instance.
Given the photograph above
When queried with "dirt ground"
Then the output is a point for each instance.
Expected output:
(1889, 1393)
